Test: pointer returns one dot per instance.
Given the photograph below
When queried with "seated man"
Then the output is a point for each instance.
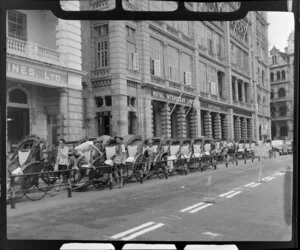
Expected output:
(80, 152)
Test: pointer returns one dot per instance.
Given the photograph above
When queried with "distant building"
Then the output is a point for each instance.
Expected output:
(282, 90)
(176, 78)
(44, 76)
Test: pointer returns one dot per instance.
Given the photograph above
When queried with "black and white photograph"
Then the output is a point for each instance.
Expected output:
(149, 130)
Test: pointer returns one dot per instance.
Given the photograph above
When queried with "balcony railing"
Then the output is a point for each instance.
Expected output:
(32, 50)
(101, 73)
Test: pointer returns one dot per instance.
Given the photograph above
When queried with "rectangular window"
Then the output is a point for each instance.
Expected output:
(172, 65)
(202, 82)
(210, 42)
(156, 57)
(17, 25)
(102, 51)
(132, 56)
(185, 68)
(185, 28)
(101, 30)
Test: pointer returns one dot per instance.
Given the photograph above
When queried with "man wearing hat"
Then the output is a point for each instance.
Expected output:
(119, 160)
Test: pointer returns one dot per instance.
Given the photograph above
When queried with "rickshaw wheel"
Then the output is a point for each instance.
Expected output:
(100, 178)
(160, 168)
(33, 186)
(138, 168)
(49, 178)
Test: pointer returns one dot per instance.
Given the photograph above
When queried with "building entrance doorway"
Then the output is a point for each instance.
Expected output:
(17, 125)
(104, 123)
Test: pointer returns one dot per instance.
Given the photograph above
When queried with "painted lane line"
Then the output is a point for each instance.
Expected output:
(281, 174)
(222, 195)
(249, 184)
(199, 208)
(132, 230)
(271, 178)
(277, 173)
(234, 194)
(255, 185)
(134, 235)
(191, 207)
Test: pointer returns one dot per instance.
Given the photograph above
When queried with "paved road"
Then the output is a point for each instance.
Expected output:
(172, 209)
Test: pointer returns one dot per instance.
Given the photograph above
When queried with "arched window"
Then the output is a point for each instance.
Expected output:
(272, 77)
(258, 99)
(273, 110)
(272, 94)
(283, 131)
(282, 111)
(278, 75)
(264, 104)
(283, 75)
(263, 77)
(258, 75)
(281, 92)
(17, 96)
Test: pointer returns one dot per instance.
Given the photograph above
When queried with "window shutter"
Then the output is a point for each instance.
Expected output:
(188, 78)
(213, 88)
(157, 68)
(136, 61)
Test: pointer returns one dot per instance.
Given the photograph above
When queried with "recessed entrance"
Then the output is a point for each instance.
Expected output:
(17, 124)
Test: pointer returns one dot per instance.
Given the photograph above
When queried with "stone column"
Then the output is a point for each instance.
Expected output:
(249, 129)
(218, 128)
(166, 121)
(181, 125)
(148, 117)
(230, 124)
(236, 90)
(225, 128)
(63, 114)
(244, 128)
(237, 129)
(194, 123)
(207, 125)
(243, 91)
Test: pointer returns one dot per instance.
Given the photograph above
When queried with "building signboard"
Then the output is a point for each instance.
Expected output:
(171, 97)
(26, 72)
(213, 107)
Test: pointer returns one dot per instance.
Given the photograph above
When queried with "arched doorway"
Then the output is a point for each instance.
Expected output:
(273, 132)
(259, 133)
(18, 124)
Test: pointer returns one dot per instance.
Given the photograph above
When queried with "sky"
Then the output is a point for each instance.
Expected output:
(281, 25)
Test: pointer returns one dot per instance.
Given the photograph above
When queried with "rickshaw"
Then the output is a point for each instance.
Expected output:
(27, 159)
(240, 150)
(249, 149)
(159, 161)
(209, 157)
(186, 152)
(197, 151)
(134, 160)
(272, 151)
(175, 160)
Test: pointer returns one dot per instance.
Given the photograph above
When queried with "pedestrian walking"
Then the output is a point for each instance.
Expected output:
(119, 161)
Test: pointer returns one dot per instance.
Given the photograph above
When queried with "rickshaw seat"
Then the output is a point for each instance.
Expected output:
(197, 148)
(207, 147)
(174, 149)
(185, 150)
(166, 149)
(132, 150)
(110, 152)
(23, 156)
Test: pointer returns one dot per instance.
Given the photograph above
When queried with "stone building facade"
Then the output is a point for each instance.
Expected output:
(177, 78)
(44, 76)
(282, 90)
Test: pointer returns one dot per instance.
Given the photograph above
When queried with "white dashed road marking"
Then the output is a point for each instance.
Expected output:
(134, 235)
(249, 184)
(230, 192)
(191, 207)
(234, 194)
(255, 185)
(132, 230)
(200, 208)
